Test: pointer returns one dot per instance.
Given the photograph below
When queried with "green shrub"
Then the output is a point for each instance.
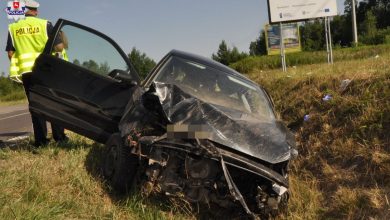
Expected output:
(273, 62)
(380, 37)
(14, 96)
(10, 90)
(387, 39)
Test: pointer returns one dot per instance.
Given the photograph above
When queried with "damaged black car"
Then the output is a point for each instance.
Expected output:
(193, 128)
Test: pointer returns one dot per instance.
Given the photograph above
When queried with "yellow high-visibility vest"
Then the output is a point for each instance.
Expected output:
(29, 38)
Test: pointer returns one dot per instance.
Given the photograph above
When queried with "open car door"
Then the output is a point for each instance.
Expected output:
(87, 86)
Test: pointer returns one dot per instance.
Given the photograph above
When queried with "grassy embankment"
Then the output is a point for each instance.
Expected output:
(343, 171)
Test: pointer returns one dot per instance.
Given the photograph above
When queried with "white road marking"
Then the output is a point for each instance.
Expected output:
(19, 138)
(14, 116)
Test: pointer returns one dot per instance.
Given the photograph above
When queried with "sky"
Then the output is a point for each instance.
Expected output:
(158, 26)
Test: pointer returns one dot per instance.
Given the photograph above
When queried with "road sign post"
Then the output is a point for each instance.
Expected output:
(326, 38)
(330, 41)
(282, 51)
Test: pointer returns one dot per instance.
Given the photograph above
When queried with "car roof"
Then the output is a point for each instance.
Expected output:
(209, 62)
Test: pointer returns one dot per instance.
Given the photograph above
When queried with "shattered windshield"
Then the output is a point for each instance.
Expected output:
(215, 87)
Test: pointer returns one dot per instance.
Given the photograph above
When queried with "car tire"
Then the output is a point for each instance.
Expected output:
(120, 165)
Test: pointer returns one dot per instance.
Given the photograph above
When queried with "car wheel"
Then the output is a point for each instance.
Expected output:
(120, 165)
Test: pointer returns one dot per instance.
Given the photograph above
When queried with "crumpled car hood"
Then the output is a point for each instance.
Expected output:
(268, 139)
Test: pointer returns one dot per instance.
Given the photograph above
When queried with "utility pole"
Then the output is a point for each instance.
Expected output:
(354, 28)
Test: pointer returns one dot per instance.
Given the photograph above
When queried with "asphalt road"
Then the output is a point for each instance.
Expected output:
(15, 122)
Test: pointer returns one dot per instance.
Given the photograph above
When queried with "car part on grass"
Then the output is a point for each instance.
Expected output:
(344, 85)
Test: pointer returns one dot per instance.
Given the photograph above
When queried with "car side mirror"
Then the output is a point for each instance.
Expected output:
(123, 76)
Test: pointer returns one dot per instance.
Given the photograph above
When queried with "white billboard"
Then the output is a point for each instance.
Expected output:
(294, 10)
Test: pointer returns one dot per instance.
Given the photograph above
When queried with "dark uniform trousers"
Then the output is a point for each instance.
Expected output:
(39, 123)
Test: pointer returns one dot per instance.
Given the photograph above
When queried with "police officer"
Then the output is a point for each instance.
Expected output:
(26, 40)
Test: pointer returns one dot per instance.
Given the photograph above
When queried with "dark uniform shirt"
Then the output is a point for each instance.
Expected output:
(10, 45)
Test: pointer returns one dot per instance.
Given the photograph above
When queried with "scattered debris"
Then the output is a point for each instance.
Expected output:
(306, 118)
(327, 98)
(344, 85)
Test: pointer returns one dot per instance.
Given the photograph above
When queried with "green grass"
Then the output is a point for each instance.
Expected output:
(64, 182)
(252, 63)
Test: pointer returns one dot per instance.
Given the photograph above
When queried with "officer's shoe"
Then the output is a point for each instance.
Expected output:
(62, 140)
(41, 143)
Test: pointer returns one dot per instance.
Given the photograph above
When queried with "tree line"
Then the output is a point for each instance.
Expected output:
(373, 19)
(140, 62)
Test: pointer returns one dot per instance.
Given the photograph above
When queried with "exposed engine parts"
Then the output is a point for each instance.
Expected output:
(207, 181)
